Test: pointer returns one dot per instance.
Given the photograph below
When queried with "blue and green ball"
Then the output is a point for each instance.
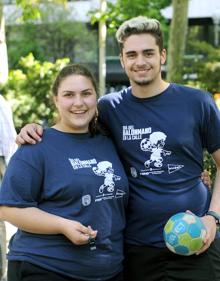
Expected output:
(184, 234)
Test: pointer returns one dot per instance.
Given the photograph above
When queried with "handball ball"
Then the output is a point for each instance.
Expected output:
(184, 234)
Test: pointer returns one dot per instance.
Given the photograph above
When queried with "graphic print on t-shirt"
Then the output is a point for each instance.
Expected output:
(152, 144)
(155, 145)
(132, 133)
(104, 169)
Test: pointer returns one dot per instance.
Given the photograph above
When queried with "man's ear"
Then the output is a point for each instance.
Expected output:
(121, 60)
(163, 56)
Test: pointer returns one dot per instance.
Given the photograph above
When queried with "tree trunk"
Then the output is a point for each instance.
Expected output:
(3, 49)
(177, 40)
(102, 49)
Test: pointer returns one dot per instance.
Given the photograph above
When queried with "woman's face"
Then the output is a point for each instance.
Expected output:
(76, 103)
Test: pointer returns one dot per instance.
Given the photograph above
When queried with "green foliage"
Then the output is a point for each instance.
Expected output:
(205, 64)
(203, 61)
(28, 89)
(56, 37)
(31, 9)
(210, 166)
(209, 76)
(124, 9)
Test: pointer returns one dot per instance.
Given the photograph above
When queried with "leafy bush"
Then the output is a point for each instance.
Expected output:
(205, 67)
(28, 90)
(209, 165)
(56, 34)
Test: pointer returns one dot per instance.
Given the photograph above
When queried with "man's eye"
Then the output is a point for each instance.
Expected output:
(149, 54)
(130, 56)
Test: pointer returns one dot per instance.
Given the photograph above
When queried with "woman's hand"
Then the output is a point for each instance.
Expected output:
(78, 233)
(37, 221)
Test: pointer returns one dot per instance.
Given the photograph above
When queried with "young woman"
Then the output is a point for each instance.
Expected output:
(67, 194)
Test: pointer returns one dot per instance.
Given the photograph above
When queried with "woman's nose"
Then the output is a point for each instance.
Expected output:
(78, 100)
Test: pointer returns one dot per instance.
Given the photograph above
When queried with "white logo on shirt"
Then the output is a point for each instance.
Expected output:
(133, 172)
(119, 193)
(104, 168)
(172, 168)
(86, 200)
(155, 144)
(80, 164)
(130, 133)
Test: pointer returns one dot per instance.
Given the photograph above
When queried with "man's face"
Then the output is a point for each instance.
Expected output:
(142, 59)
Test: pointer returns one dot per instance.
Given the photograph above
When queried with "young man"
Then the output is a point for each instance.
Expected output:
(160, 130)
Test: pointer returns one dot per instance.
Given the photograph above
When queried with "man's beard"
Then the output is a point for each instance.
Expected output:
(144, 82)
(147, 81)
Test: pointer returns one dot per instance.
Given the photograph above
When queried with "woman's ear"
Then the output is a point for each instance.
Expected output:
(55, 100)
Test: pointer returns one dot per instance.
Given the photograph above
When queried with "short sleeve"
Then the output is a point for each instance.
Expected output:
(102, 112)
(211, 125)
(21, 184)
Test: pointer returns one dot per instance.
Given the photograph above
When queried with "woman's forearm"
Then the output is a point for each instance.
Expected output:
(32, 220)
(36, 221)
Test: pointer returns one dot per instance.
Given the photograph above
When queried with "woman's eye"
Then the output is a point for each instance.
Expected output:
(68, 94)
(86, 94)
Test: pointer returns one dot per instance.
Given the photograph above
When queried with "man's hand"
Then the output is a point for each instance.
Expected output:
(210, 226)
(206, 178)
(30, 133)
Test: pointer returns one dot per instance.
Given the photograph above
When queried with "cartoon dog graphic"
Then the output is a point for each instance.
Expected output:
(155, 144)
(104, 168)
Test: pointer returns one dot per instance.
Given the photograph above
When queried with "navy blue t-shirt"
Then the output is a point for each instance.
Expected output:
(161, 140)
(79, 178)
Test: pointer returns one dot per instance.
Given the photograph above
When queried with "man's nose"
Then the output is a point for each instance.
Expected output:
(140, 60)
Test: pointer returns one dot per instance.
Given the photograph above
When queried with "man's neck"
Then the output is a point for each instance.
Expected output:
(150, 90)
